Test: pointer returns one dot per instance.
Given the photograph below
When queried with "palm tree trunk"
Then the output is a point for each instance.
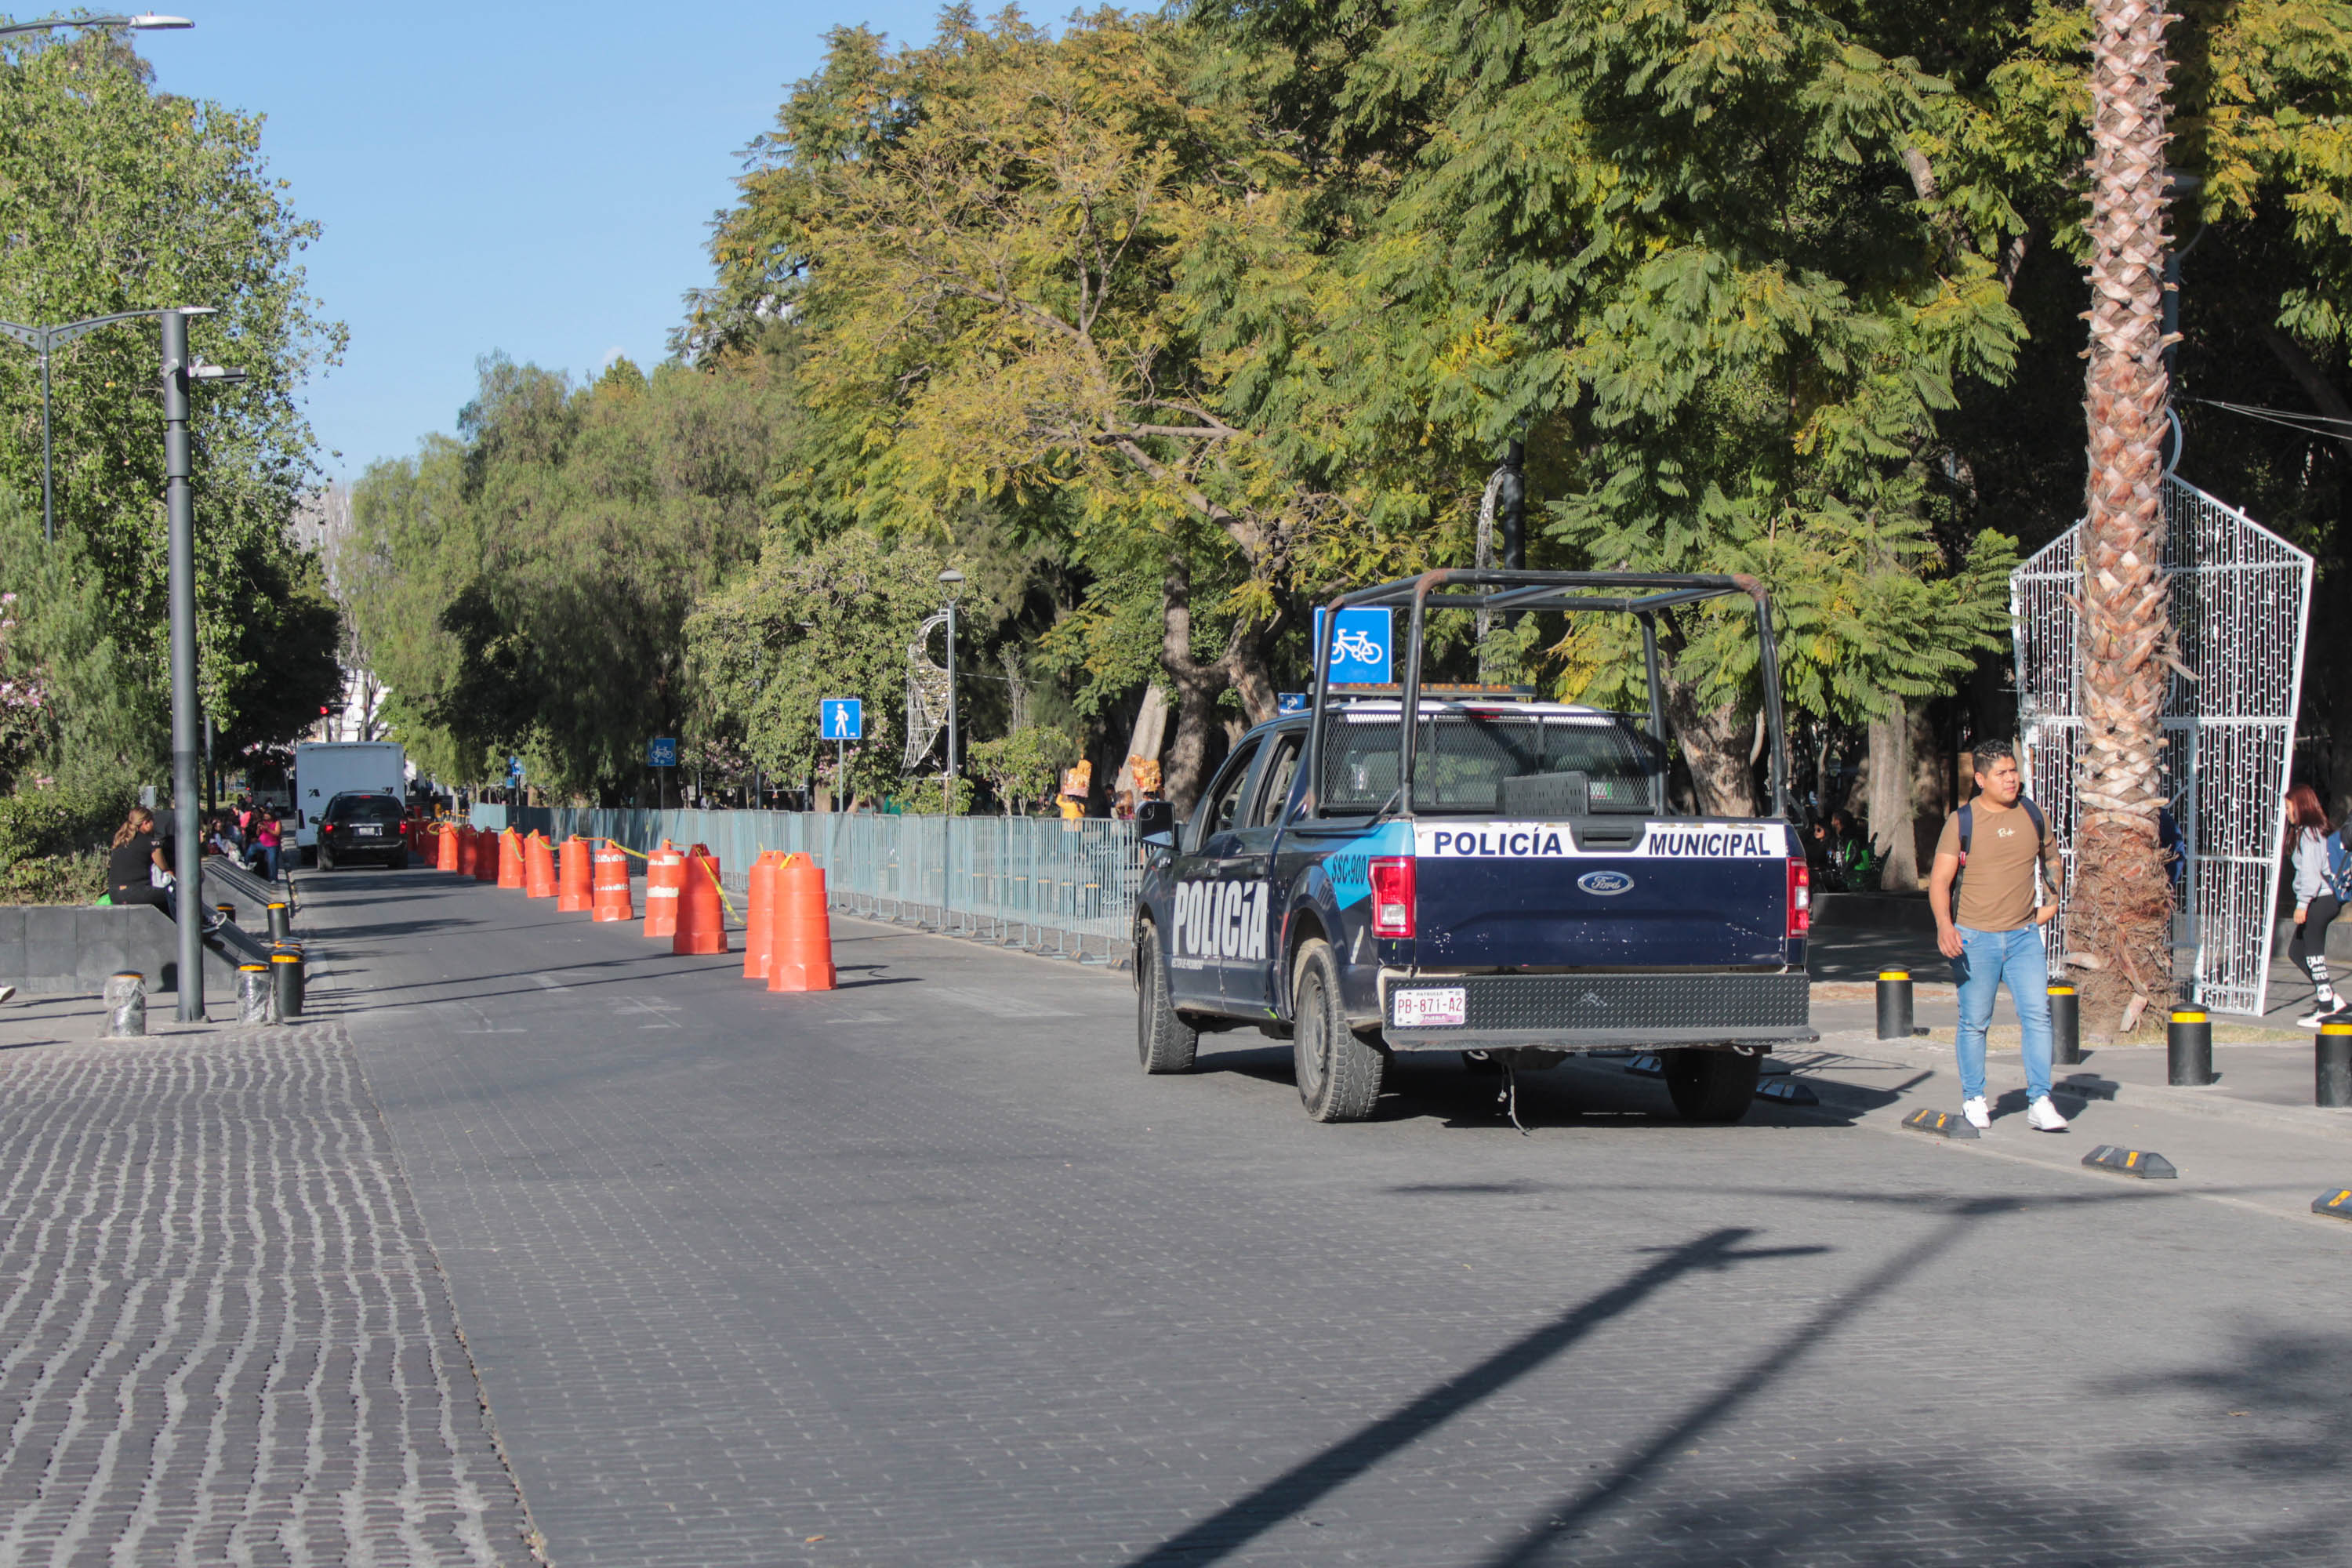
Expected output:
(2122, 904)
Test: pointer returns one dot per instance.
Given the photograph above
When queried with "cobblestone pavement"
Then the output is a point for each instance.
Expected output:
(223, 1336)
(923, 1272)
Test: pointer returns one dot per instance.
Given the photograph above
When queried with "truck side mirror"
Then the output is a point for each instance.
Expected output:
(1155, 819)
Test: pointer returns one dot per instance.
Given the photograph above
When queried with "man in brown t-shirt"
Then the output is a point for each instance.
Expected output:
(1996, 932)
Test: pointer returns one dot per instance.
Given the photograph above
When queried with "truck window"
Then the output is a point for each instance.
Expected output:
(1219, 806)
(1491, 763)
(1281, 768)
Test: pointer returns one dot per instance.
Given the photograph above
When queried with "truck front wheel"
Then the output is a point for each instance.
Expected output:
(1711, 1086)
(1338, 1075)
(1163, 1041)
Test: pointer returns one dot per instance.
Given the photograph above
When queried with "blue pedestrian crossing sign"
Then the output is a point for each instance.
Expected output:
(1290, 702)
(1358, 647)
(661, 751)
(844, 718)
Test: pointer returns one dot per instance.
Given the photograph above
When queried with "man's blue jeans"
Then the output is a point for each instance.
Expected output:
(1988, 958)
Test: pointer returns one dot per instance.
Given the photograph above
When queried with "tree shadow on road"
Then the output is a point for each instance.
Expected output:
(1958, 1510)
(1234, 1526)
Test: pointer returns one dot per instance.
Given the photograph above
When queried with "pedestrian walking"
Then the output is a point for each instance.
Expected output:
(2322, 882)
(1989, 924)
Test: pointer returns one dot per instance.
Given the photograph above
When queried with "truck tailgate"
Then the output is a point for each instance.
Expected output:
(1499, 894)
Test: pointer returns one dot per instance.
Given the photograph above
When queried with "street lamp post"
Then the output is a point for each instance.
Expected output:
(180, 369)
(145, 22)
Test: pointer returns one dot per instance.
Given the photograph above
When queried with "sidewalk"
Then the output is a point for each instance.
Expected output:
(225, 1336)
(2253, 1138)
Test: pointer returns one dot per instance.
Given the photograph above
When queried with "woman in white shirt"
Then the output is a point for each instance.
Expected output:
(2319, 868)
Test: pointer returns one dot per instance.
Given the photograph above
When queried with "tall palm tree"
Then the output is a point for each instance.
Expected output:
(2122, 905)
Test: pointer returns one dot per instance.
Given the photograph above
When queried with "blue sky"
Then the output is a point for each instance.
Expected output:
(532, 178)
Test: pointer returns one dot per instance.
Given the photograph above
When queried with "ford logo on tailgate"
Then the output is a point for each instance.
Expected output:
(1605, 884)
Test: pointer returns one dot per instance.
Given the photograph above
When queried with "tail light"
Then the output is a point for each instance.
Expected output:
(1392, 896)
(1801, 897)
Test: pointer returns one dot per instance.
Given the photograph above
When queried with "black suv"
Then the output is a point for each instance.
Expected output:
(362, 827)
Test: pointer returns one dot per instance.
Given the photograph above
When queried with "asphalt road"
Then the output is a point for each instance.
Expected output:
(924, 1272)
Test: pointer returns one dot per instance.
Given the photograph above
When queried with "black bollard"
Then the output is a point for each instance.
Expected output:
(280, 922)
(286, 985)
(253, 998)
(228, 913)
(2066, 1026)
(126, 1006)
(1894, 1004)
(2188, 1048)
(2332, 1063)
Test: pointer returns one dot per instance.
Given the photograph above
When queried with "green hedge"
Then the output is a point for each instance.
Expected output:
(54, 878)
(40, 824)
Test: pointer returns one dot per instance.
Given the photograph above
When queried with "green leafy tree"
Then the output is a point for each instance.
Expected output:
(982, 240)
(525, 587)
(1025, 765)
(798, 627)
(1705, 258)
(121, 198)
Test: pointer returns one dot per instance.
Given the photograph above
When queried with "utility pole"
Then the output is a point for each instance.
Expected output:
(179, 514)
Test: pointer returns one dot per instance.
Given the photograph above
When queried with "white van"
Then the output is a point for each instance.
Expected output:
(325, 769)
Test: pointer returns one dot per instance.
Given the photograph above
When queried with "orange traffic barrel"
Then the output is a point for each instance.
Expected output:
(445, 848)
(485, 856)
(760, 915)
(665, 875)
(701, 914)
(610, 893)
(510, 874)
(574, 888)
(538, 867)
(802, 942)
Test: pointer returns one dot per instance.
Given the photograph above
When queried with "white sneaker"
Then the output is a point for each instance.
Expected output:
(2321, 1008)
(2042, 1117)
(6, 992)
(1979, 1115)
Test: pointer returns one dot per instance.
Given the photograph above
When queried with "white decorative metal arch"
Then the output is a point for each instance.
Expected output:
(2241, 599)
(926, 694)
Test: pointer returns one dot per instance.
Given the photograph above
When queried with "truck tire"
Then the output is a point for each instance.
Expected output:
(1713, 1087)
(1339, 1074)
(1164, 1043)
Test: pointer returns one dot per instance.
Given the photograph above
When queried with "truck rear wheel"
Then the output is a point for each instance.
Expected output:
(1711, 1086)
(1339, 1074)
(1164, 1043)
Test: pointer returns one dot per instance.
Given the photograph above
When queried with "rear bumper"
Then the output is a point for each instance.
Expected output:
(369, 849)
(1604, 1012)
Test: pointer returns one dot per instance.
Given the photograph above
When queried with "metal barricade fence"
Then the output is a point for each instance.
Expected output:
(1040, 883)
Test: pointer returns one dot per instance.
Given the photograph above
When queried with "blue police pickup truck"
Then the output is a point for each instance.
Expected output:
(1504, 879)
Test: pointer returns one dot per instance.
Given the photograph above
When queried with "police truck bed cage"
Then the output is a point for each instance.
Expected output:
(1645, 595)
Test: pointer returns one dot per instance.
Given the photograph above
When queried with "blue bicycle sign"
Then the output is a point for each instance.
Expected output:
(1359, 646)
